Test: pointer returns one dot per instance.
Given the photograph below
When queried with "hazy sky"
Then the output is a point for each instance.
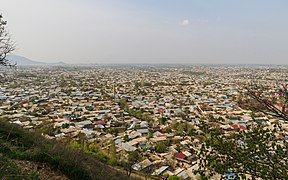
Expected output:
(149, 31)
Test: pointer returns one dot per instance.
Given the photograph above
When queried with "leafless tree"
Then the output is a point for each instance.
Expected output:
(6, 44)
(267, 104)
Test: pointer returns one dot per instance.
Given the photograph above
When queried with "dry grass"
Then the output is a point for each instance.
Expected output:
(17, 143)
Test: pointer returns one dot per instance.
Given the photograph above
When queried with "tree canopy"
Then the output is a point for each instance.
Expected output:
(257, 152)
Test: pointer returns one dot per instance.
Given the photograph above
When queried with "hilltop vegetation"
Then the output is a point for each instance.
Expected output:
(19, 144)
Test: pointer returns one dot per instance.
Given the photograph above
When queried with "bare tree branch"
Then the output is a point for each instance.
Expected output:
(7, 45)
(268, 105)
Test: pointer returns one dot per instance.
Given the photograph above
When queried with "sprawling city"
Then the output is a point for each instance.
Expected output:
(153, 112)
(143, 90)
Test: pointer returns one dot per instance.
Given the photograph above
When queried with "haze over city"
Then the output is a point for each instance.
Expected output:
(164, 31)
(151, 89)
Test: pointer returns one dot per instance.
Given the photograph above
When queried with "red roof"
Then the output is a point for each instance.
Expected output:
(180, 155)
(101, 122)
(238, 126)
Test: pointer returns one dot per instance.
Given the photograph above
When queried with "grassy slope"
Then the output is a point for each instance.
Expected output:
(17, 143)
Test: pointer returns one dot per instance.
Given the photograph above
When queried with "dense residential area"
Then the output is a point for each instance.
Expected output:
(143, 118)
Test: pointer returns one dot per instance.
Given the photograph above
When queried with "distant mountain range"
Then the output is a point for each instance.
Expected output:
(23, 61)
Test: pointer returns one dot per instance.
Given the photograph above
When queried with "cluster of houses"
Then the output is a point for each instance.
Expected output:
(136, 107)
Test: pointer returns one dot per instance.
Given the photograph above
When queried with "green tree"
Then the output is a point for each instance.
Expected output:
(65, 125)
(257, 152)
(150, 134)
(174, 178)
(162, 120)
(160, 147)
(126, 138)
(123, 104)
(132, 158)
(168, 130)
(260, 152)
(112, 152)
